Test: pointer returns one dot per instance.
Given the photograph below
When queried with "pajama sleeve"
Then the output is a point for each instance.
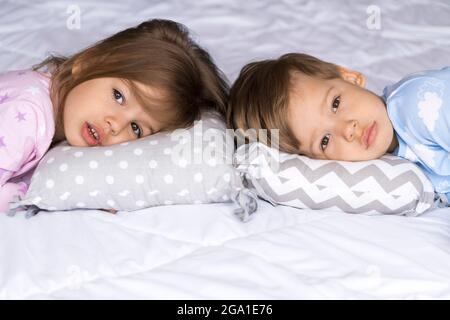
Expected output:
(420, 113)
(18, 132)
(419, 109)
(9, 191)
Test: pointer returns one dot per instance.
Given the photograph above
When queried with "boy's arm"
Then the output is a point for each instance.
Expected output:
(419, 108)
(433, 114)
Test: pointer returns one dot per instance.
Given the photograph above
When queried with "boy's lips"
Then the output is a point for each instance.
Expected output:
(369, 135)
(85, 132)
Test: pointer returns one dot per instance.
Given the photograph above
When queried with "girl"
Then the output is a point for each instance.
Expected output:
(142, 80)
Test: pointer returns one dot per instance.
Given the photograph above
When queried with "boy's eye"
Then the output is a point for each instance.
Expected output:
(334, 105)
(118, 96)
(324, 142)
(134, 127)
(336, 102)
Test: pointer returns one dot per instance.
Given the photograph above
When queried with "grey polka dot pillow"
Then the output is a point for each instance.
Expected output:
(186, 166)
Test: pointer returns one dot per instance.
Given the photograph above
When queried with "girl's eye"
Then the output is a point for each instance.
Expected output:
(134, 127)
(118, 96)
(335, 104)
(324, 142)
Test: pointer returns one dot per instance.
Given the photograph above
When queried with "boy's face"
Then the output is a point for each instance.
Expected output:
(338, 119)
(108, 106)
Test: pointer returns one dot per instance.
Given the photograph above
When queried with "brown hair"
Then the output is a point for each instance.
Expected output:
(260, 96)
(158, 53)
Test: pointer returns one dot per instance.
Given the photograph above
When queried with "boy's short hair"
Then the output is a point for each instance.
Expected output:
(259, 97)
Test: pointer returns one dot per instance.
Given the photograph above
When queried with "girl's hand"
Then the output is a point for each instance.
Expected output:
(113, 211)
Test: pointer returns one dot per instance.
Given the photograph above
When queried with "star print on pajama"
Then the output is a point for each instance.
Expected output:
(20, 116)
(419, 109)
(26, 130)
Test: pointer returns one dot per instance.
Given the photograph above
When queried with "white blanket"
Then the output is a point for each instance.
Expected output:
(202, 251)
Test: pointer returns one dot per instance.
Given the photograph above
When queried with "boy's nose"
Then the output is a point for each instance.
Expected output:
(350, 130)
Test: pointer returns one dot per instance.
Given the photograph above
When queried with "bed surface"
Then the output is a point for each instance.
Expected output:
(202, 251)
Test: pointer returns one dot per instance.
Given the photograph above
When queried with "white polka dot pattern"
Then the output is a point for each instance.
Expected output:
(137, 174)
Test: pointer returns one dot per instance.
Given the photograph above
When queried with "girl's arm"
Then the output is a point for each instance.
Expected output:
(113, 211)
(19, 127)
(8, 192)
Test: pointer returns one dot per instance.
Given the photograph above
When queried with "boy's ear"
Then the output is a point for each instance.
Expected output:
(352, 76)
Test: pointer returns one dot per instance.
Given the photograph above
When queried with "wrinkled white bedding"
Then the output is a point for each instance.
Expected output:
(202, 251)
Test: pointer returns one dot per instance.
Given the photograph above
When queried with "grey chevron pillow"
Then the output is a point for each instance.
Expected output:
(390, 185)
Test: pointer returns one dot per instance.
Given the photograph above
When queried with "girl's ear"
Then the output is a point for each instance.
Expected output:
(352, 76)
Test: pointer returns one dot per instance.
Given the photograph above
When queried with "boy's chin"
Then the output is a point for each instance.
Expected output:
(368, 156)
(363, 156)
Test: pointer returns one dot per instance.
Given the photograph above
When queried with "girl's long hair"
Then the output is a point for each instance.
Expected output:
(157, 53)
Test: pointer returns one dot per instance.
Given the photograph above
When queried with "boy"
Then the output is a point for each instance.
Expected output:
(323, 111)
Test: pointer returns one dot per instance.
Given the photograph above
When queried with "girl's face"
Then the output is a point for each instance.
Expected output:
(104, 111)
(338, 119)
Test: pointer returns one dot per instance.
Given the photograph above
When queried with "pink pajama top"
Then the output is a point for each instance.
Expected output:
(27, 127)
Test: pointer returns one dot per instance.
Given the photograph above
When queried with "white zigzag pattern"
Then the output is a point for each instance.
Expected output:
(258, 151)
(259, 155)
(339, 188)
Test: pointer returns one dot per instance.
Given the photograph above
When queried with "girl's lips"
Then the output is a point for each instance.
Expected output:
(90, 140)
(100, 133)
(369, 135)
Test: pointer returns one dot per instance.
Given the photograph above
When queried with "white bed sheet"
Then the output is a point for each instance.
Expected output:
(201, 251)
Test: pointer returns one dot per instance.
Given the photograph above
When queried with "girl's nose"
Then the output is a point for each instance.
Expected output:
(114, 126)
